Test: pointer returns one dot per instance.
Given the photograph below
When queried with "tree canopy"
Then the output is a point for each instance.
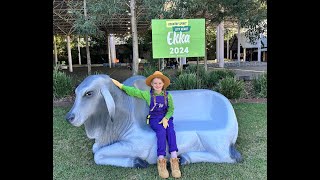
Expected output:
(251, 14)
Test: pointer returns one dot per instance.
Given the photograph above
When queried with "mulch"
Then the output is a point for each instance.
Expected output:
(63, 102)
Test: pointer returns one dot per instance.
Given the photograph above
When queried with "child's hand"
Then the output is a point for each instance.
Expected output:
(164, 122)
(117, 83)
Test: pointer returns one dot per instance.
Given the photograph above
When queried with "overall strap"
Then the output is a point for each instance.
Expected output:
(154, 97)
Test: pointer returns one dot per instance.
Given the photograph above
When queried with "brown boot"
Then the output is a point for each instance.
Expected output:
(162, 168)
(174, 163)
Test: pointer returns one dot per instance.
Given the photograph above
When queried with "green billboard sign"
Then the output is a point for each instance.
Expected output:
(178, 38)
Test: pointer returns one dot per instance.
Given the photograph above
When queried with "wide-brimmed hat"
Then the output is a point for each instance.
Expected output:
(158, 74)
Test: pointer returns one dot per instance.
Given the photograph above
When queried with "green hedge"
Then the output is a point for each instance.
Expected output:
(260, 86)
(186, 81)
(62, 84)
(230, 87)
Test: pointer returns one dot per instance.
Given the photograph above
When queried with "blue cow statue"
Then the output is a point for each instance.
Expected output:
(205, 123)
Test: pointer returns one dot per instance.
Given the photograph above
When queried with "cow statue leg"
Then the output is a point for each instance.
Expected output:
(119, 154)
(95, 147)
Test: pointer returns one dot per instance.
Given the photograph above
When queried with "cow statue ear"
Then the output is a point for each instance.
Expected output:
(109, 102)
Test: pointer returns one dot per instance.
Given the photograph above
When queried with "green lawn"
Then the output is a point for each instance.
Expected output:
(73, 158)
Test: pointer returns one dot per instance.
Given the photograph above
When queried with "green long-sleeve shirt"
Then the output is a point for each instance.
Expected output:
(132, 91)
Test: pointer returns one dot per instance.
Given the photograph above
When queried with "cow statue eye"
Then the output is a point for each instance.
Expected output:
(89, 93)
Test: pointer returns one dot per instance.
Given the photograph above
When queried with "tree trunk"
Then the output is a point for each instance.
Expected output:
(221, 45)
(55, 51)
(69, 53)
(79, 52)
(86, 39)
(238, 36)
(88, 55)
(135, 60)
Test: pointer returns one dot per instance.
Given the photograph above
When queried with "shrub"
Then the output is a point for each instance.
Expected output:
(193, 69)
(179, 72)
(216, 75)
(186, 81)
(62, 84)
(230, 87)
(202, 74)
(221, 73)
(260, 86)
(98, 72)
(148, 70)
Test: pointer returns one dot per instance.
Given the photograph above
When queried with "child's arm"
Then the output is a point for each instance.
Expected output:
(117, 83)
(169, 113)
(132, 91)
(170, 107)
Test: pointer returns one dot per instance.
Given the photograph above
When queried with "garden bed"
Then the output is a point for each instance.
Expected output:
(122, 73)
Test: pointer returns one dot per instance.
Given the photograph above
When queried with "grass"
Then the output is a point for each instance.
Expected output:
(73, 158)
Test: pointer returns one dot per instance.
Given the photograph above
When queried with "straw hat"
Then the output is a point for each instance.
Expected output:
(158, 74)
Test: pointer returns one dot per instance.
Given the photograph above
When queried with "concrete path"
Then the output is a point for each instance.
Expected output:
(248, 71)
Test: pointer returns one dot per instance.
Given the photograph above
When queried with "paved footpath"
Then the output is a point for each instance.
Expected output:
(245, 71)
(249, 71)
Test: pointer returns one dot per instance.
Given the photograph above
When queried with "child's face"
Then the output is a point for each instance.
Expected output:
(157, 84)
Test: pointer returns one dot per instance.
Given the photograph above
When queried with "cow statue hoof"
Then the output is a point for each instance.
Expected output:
(139, 163)
(235, 154)
(183, 161)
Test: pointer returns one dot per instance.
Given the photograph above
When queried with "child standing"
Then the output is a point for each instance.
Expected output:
(160, 118)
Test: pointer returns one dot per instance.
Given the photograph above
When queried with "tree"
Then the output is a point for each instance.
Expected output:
(101, 13)
(61, 43)
(250, 14)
